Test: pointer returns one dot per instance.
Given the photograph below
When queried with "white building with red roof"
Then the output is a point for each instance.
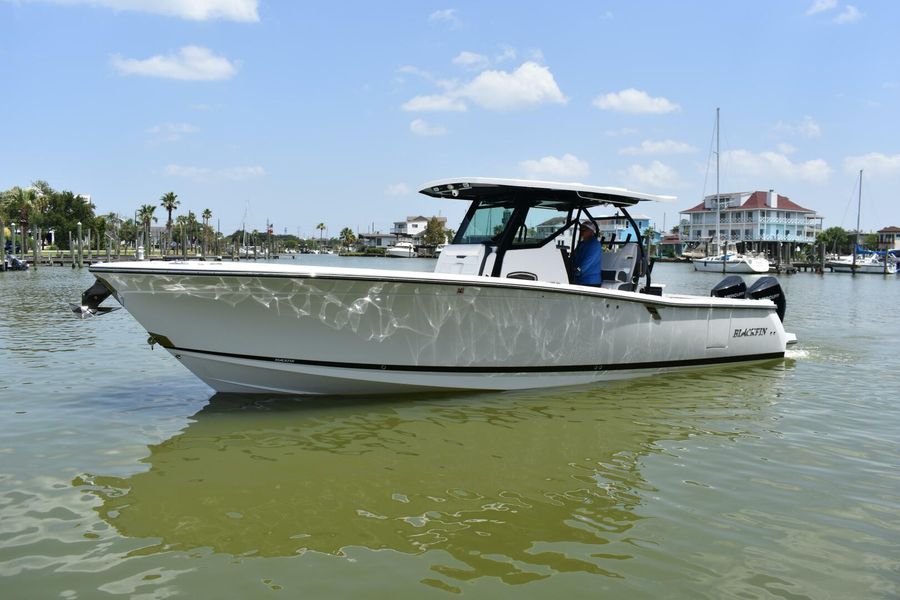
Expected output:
(757, 218)
(889, 238)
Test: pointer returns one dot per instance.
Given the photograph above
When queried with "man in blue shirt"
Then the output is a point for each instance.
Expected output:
(587, 255)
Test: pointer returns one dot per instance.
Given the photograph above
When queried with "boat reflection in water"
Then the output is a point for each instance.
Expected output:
(519, 486)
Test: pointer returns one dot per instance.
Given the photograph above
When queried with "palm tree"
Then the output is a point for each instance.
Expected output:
(321, 228)
(347, 237)
(169, 201)
(207, 215)
(145, 215)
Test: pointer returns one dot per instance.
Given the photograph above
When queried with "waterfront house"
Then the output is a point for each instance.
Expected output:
(377, 239)
(889, 238)
(759, 220)
(413, 228)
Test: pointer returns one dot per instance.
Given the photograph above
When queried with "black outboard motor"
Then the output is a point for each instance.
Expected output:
(768, 288)
(730, 287)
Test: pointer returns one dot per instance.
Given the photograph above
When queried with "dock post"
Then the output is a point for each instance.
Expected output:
(71, 249)
(89, 248)
(108, 249)
(2, 245)
(34, 246)
(80, 242)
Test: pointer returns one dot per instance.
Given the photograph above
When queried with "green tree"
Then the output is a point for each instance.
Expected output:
(321, 227)
(435, 234)
(207, 230)
(348, 238)
(836, 240)
(649, 234)
(62, 211)
(169, 201)
(870, 241)
(145, 216)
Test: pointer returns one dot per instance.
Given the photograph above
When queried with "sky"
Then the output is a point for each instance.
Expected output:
(299, 113)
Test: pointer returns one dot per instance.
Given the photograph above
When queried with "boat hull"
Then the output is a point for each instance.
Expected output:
(400, 252)
(863, 267)
(312, 330)
(743, 266)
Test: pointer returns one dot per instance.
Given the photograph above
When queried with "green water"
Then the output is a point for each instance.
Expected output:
(122, 475)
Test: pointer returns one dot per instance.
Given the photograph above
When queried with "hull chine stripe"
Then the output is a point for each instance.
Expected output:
(652, 365)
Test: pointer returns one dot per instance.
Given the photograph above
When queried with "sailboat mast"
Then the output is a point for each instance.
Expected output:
(718, 207)
(858, 211)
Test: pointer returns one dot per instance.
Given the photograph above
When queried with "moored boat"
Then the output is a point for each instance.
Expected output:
(500, 311)
(732, 263)
(863, 263)
(401, 250)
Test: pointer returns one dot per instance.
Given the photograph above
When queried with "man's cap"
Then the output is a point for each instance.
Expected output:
(590, 225)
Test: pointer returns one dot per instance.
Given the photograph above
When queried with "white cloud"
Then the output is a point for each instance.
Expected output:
(172, 132)
(786, 148)
(396, 189)
(653, 147)
(471, 60)
(634, 101)
(206, 174)
(768, 165)
(821, 6)
(507, 53)
(411, 70)
(191, 63)
(420, 127)
(874, 163)
(435, 102)
(808, 128)
(851, 14)
(447, 15)
(568, 167)
(657, 175)
(529, 85)
(194, 10)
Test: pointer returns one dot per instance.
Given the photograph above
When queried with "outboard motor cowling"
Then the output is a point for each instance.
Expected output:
(768, 288)
(730, 287)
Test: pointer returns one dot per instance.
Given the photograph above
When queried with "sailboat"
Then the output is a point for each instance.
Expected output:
(727, 260)
(869, 262)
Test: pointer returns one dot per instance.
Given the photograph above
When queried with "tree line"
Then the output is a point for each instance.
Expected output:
(40, 208)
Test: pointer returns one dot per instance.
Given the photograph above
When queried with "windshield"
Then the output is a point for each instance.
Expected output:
(541, 223)
(485, 225)
(489, 220)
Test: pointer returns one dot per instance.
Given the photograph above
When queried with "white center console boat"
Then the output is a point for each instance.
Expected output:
(500, 311)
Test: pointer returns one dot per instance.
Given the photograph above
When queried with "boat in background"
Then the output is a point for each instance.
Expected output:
(501, 310)
(863, 261)
(13, 263)
(401, 250)
(732, 262)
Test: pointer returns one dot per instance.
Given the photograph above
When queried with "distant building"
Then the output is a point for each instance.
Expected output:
(620, 227)
(889, 238)
(376, 239)
(670, 245)
(413, 228)
(762, 219)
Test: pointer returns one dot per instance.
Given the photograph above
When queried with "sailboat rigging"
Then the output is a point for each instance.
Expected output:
(727, 260)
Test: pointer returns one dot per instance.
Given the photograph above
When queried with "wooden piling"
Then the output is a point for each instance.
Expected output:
(34, 247)
(80, 247)
(2, 245)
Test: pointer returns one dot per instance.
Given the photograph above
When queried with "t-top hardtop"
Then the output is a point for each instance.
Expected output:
(558, 195)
